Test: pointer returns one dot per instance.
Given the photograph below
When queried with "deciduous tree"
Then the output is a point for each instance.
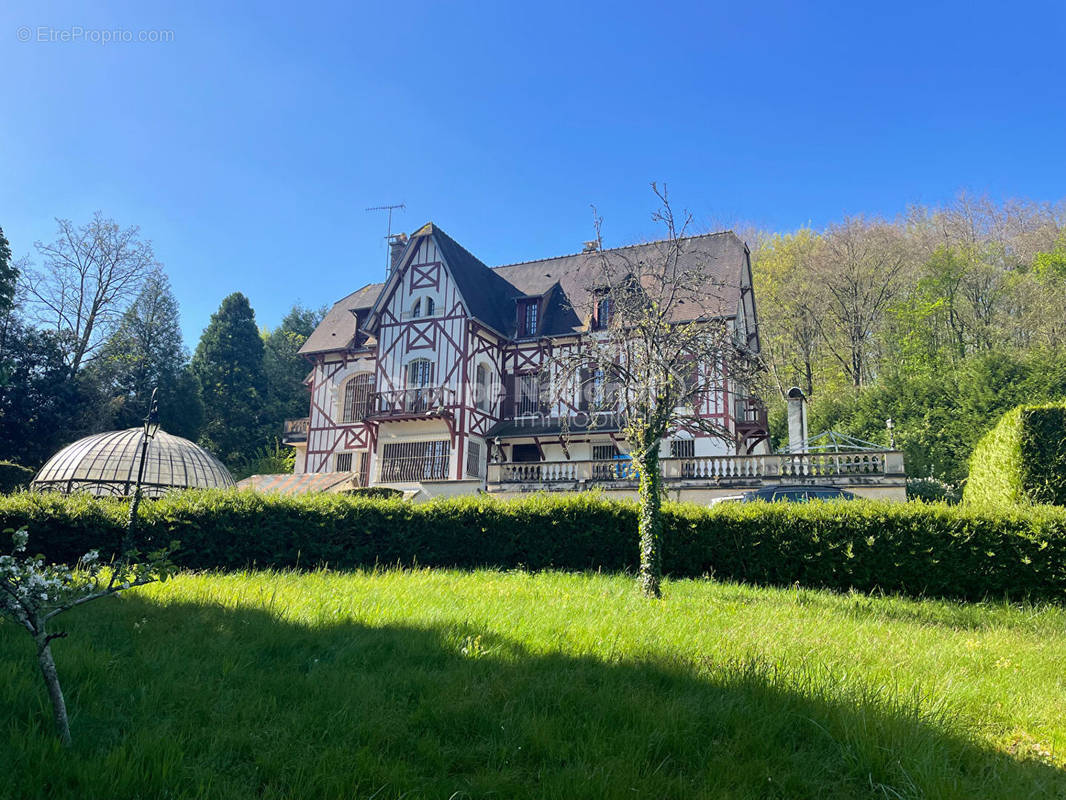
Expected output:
(860, 266)
(662, 347)
(88, 277)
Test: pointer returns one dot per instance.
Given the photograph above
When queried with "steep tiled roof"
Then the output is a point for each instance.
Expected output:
(481, 287)
(721, 256)
(338, 329)
(563, 281)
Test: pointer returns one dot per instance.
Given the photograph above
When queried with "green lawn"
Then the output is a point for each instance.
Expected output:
(444, 684)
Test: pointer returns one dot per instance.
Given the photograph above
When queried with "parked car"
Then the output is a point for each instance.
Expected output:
(797, 494)
(732, 498)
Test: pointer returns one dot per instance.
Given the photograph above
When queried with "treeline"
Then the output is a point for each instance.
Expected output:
(89, 326)
(940, 319)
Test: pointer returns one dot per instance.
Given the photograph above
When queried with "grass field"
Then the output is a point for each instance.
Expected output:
(445, 685)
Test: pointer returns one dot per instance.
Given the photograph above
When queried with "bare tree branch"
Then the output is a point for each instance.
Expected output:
(87, 278)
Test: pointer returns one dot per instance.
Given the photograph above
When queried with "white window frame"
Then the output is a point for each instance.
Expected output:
(483, 392)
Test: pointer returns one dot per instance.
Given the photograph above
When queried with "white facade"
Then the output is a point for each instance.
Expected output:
(415, 391)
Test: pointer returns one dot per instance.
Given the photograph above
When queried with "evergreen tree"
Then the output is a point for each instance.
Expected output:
(286, 369)
(145, 352)
(303, 321)
(181, 407)
(229, 366)
(8, 275)
(42, 408)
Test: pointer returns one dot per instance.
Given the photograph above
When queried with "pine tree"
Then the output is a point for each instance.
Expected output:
(229, 366)
(145, 352)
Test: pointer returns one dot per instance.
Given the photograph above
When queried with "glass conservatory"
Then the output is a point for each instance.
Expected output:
(106, 465)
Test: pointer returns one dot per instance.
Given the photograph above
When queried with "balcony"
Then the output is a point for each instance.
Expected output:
(294, 431)
(750, 419)
(426, 401)
(749, 413)
(744, 471)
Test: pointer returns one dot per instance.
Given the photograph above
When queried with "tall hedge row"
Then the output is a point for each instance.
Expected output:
(1022, 460)
(912, 548)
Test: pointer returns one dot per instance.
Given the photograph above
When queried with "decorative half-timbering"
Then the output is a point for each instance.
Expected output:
(443, 373)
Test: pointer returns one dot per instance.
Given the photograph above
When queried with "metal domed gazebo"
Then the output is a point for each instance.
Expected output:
(106, 465)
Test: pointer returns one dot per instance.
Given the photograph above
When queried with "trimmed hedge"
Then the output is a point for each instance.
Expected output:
(932, 490)
(1022, 460)
(909, 548)
(372, 492)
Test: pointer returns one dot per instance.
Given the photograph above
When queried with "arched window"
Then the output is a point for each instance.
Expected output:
(423, 307)
(419, 393)
(356, 396)
(482, 386)
(419, 373)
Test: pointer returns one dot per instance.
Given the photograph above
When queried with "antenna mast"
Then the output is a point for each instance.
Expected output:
(388, 230)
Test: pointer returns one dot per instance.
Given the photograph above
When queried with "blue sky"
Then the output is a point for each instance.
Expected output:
(248, 146)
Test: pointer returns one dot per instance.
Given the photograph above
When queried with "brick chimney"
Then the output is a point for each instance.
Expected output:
(397, 242)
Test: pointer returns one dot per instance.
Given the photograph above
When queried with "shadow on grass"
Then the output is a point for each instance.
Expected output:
(201, 701)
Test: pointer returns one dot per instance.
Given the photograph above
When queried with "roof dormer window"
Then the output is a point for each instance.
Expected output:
(603, 313)
(527, 317)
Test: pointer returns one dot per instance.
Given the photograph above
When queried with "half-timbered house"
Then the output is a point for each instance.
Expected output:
(435, 380)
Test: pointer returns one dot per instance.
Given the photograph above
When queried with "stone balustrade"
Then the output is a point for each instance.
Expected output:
(747, 470)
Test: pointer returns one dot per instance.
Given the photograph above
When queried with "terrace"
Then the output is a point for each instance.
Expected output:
(871, 468)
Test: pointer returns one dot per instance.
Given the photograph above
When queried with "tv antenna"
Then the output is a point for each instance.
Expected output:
(388, 230)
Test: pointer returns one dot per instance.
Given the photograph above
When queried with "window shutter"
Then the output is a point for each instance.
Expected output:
(510, 394)
(584, 388)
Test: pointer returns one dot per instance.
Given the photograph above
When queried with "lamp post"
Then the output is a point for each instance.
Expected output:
(151, 428)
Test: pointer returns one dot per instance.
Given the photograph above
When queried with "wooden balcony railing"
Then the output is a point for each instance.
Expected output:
(295, 430)
(405, 402)
(714, 469)
(749, 412)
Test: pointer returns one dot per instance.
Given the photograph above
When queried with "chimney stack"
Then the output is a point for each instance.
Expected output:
(797, 421)
(591, 247)
(397, 242)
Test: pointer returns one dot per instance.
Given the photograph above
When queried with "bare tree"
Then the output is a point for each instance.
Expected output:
(87, 279)
(861, 266)
(661, 344)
